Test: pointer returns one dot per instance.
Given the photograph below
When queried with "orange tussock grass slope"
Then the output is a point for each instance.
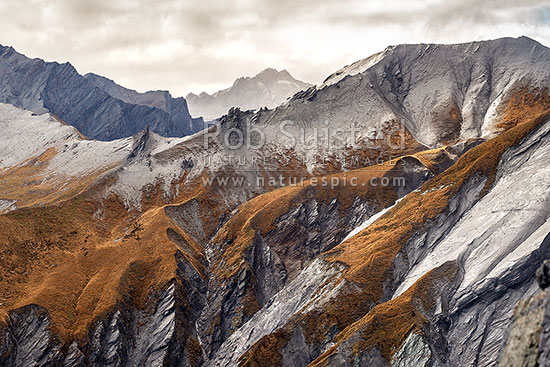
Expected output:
(387, 325)
(259, 214)
(78, 266)
(369, 255)
(30, 185)
(523, 104)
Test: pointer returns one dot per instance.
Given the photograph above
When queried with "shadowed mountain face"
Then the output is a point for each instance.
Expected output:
(268, 89)
(131, 253)
(98, 109)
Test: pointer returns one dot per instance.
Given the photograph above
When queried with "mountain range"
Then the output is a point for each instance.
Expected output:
(268, 88)
(150, 250)
(96, 106)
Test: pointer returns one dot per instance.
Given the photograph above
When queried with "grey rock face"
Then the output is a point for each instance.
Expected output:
(413, 173)
(186, 216)
(299, 236)
(439, 92)
(317, 280)
(130, 337)
(543, 275)
(414, 352)
(369, 357)
(27, 340)
(296, 352)
(58, 88)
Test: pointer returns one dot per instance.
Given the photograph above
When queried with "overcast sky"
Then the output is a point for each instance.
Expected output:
(194, 46)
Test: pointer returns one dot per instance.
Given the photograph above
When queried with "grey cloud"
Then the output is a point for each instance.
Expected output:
(190, 46)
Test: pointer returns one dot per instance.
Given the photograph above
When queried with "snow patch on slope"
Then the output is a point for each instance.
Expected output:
(357, 67)
(84, 157)
(511, 214)
(25, 135)
(370, 221)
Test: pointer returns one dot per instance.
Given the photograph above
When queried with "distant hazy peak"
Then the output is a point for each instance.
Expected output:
(271, 73)
(269, 88)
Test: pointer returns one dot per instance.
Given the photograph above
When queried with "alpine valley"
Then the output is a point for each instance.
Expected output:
(128, 238)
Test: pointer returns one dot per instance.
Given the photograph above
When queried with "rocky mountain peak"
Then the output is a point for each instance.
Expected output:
(157, 99)
(271, 74)
(269, 88)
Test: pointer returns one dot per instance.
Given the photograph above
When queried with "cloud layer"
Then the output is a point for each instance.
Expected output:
(186, 46)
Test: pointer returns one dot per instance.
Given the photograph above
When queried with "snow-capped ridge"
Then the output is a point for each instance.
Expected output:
(440, 93)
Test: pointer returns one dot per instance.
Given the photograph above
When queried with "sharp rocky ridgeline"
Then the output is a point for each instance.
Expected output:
(96, 106)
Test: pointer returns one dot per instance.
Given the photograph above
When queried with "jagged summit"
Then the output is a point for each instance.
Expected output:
(271, 74)
(269, 88)
(267, 76)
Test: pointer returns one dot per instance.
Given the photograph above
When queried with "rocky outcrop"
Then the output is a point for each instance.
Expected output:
(27, 339)
(543, 275)
(59, 89)
(528, 336)
(414, 352)
(298, 237)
